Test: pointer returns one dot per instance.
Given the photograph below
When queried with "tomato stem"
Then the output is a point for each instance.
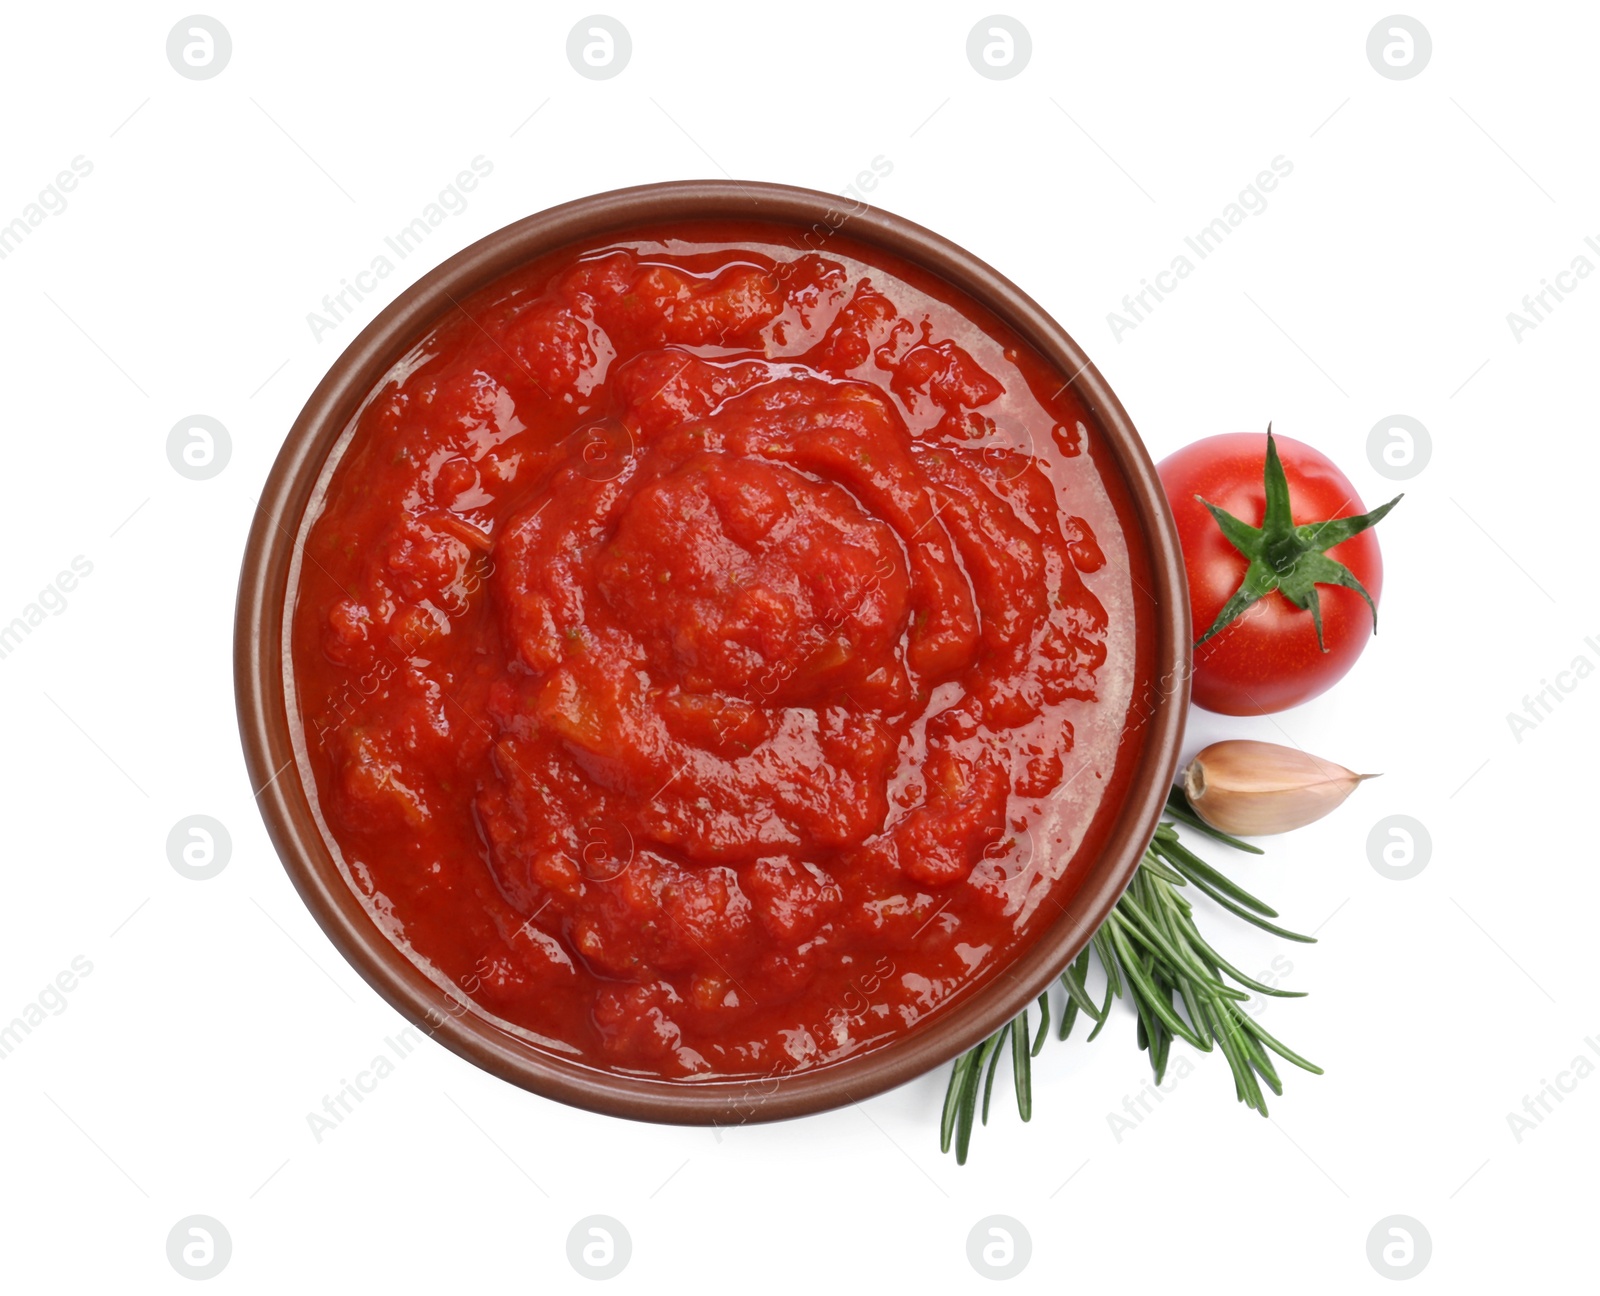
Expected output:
(1286, 558)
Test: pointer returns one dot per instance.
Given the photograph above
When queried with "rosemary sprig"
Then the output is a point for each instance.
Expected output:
(1151, 951)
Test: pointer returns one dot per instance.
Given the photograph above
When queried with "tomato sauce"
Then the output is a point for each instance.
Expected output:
(715, 655)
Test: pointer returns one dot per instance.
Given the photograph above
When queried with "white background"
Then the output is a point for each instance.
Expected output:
(178, 281)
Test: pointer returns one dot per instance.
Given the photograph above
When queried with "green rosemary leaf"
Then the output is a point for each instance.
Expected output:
(1151, 952)
(1022, 1066)
(966, 1107)
(1073, 980)
(1179, 808)
(1252, 1049)
(1170, 923)
(1244, 1075)
(1144, 929)
(1152, 865)
(1145, 990)
(1108, 963)
(1100, 1025)
(1108, 960)
(1154, 1037)
(1069, 1016)
(1160, 1051)
(991, 1052)
(952, 1098)
(1190, 864)
(1254, 919)
(1282, 1050)
(1192, 934)
(1266, 1070)
(1147, 1024)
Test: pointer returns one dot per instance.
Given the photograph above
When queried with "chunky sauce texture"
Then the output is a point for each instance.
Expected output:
(715, 647)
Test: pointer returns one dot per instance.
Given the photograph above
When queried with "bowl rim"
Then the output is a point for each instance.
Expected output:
(266, 726)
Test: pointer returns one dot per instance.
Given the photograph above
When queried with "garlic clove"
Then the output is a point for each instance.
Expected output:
(1255, 789)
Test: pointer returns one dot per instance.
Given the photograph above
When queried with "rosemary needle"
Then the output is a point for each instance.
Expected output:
(1151, 952)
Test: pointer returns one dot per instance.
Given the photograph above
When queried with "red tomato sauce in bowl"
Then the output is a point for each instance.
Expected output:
(714, 655)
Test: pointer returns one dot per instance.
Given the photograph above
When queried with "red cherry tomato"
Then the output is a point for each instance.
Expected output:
(1267, 659)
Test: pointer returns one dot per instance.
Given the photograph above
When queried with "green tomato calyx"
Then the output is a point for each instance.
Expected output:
(1290, 559)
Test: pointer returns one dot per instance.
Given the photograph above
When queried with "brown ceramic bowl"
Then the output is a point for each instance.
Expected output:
(285, 790)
